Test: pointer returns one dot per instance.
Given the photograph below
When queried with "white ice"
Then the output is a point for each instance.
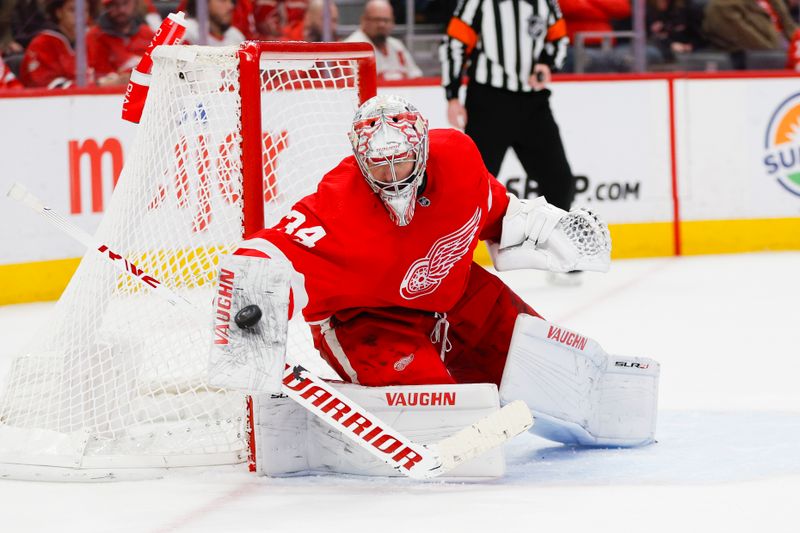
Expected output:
(726, 331)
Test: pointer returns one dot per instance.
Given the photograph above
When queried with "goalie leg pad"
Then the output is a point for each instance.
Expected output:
(289, 439)
(577, 393)
(250, 359)
(280, 426)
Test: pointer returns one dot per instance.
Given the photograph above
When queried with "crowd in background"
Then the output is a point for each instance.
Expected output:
(37, 37)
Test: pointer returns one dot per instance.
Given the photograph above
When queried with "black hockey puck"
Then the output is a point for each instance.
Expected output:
(248, 316)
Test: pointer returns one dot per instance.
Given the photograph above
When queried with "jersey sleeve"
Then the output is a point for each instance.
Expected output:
(7, 78)
(554, 52)
(461, 38)
(498, 203)
(98, 56)
(292, 240)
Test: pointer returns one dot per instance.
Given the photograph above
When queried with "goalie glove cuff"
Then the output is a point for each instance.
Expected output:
(528, 220)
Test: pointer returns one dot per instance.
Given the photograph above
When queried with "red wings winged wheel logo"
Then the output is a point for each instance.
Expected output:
(425, 274)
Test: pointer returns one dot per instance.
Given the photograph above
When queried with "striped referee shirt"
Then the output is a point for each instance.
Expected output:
(500, 41)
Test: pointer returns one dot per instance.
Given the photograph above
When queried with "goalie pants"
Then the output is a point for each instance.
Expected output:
(393, 346)
(498, 120)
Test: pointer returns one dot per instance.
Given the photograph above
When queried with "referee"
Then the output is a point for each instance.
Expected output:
(509, 48)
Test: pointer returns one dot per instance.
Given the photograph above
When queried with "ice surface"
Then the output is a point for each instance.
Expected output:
(726, 330)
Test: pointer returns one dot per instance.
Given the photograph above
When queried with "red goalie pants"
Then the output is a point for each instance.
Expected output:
(393, 346)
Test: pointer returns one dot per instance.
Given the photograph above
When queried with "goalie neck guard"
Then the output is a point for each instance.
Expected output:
(386, 132)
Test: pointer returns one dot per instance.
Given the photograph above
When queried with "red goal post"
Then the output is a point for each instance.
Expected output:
(251, 55)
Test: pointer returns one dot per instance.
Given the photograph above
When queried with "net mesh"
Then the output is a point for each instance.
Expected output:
(118, 377)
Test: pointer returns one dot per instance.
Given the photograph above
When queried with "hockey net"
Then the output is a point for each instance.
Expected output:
(230, 138)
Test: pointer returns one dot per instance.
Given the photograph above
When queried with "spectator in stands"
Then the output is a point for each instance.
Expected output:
(27, 19)
(116, 43)
(737, 25)
(242, 16)
(394, 61)
(269, 14)
(7, 43)
(670, 28)
(150, 14)
(595, 16)
(794, 9)
(296, 10)
(220, 30)
(311, 28)
(269, 18)
(7, 78)
(10, 50)
(50, 57)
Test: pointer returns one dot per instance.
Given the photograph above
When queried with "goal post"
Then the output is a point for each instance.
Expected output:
(114, 386)
(267, 67)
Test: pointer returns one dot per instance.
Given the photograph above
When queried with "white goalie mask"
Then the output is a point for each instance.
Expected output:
(388, 131)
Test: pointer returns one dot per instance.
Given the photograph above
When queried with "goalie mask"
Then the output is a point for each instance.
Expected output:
(390, 142)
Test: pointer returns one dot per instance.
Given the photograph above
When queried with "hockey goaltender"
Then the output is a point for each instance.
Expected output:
(425, 341)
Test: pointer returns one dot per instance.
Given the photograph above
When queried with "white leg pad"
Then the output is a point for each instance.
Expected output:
(289, 439)
(281, 434)
(577, 393)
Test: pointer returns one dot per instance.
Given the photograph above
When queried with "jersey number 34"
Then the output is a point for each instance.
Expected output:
(292, 224)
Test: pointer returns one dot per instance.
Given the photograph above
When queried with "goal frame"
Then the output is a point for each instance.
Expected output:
(250, 54)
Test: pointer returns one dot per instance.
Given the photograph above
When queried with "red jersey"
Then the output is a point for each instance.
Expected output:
(296, 10)
(242, 16)
(593, 15)
(347, 253)
(7, 78)
(49, 61)
(113, 52)
(295, 31)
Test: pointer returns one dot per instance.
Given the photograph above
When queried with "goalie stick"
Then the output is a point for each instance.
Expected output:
(415, 460)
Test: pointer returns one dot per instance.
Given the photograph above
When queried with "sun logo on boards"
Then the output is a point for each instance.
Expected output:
(782, 145)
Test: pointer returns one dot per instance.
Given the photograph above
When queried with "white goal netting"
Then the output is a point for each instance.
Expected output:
(117, 379)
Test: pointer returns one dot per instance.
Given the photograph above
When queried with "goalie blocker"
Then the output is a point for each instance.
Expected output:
(250, 358)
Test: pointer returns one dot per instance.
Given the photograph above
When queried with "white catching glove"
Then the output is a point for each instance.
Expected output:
(541, 236)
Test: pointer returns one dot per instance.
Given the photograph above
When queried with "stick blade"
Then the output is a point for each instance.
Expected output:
(485, 434)
(19, 193)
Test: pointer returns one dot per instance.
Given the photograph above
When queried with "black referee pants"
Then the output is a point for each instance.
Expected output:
(499, 119)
